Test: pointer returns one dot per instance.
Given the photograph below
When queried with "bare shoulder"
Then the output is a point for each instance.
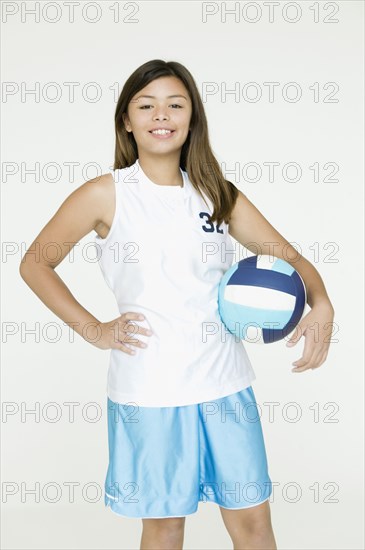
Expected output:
(254, 231)
(89, 207)
(241, 203)
(101, 187)
(246, 220)
(96, 197)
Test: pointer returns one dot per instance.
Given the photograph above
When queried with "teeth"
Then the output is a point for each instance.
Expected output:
(161, 132)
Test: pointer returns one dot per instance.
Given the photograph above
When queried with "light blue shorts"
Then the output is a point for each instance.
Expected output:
(163, 461)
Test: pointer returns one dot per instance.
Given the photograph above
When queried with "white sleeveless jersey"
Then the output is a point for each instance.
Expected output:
(164, 258)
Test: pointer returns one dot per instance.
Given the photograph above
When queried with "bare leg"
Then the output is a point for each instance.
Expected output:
(250, 528)
(162, 533)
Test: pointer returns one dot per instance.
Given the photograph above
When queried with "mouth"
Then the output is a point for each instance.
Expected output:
(163, 134)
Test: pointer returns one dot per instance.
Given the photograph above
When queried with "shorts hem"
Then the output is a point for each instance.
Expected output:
(186, 513)
(108, 505)
(241, 507)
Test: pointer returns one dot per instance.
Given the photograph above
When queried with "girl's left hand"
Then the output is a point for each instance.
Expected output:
(317, 328)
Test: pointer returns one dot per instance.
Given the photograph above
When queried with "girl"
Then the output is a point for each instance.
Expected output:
(182, 420)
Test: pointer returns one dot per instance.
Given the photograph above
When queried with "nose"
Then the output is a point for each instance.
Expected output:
(160, 117)
(161, 114)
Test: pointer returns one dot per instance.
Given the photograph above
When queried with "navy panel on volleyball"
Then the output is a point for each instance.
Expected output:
(261, 299)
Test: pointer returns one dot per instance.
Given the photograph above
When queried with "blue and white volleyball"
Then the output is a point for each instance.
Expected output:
(261, 299)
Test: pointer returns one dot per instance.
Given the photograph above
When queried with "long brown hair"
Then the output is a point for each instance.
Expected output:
(196, 157)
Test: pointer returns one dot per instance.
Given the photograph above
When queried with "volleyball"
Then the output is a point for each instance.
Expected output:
(261, 299)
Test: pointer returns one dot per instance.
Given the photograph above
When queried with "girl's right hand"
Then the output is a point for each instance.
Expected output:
(117, 333)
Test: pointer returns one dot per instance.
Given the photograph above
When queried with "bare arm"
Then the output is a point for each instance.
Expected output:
(251, 229)
(80, 213)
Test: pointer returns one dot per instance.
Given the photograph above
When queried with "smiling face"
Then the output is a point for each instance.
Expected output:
(169, 107)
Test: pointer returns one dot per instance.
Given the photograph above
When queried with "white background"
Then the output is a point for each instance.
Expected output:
(324, 459)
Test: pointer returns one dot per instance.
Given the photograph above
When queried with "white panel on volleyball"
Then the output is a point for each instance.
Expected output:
(266, 261)
(259, 297)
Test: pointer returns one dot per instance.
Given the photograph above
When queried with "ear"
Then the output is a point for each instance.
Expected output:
(126, 122)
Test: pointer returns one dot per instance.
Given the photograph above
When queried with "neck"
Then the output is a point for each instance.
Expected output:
(162, 170)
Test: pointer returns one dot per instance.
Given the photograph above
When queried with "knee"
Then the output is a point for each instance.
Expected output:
(163, 533)
(166, 526)
(256, 532)
(248, 524)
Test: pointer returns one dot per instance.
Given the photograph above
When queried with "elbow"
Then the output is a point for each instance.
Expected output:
(29, 268)
(23, 270)
(26, 267)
